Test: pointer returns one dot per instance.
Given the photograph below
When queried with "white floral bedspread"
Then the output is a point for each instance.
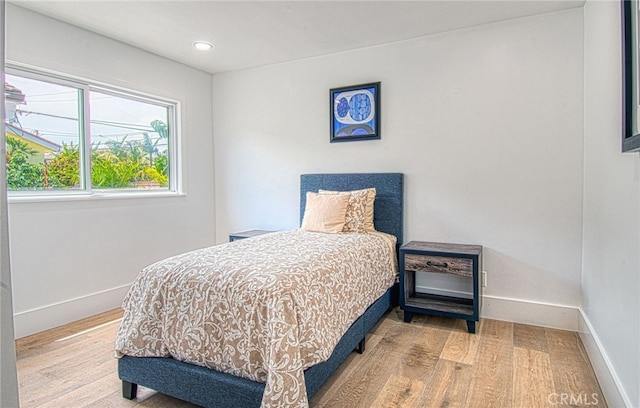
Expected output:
(264, 308)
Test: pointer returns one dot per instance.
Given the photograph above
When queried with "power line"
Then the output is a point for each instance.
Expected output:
(122, 125)
(51, 94)
(24, 112)
(142, 128)
(29, 101)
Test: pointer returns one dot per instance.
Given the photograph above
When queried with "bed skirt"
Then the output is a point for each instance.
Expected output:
(210, 388)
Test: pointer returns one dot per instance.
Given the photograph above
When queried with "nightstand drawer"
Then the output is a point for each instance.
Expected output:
(438, 264)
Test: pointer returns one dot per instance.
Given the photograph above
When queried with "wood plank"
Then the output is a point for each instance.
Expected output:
(462, 346)
(54, 355)
(111, 401)
(74, 374)
(445, 323)
(353, 364)
(531, 337)
(362, 386)
(400, 391)
(532, 378)
(573, 374)
(84, 396)
(492, 379)
(449, 387)
(399, 334)
(421, 354)
(498, 330)
(49, 337)
(360, 389)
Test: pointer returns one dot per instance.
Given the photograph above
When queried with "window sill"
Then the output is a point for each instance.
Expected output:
(42, 198)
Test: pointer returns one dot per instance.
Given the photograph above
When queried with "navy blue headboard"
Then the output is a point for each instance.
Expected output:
(387, 210)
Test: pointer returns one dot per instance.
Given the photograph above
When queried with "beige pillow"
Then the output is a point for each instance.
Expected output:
(359, 217)
(325, 213)
(368, 215)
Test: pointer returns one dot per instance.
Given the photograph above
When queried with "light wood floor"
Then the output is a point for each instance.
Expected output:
(432, 362)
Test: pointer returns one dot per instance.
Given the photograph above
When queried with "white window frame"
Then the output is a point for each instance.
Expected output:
(87, 191)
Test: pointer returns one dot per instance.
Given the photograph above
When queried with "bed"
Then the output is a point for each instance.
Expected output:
(211, 388)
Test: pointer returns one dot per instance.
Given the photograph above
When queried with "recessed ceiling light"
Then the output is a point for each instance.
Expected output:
(202, 45)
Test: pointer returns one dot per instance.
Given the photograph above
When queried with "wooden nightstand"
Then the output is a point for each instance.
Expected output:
(462, 261)
(246, 234)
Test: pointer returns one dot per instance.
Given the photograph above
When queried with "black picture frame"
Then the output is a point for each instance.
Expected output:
(355, 112)
(630, 76)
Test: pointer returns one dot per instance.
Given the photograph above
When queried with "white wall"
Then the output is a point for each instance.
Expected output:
(611, 242)
(72, 259)
(486, 124)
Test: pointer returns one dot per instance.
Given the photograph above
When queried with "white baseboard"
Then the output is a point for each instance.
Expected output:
(529, 312)
(50, 316)
(607, 377)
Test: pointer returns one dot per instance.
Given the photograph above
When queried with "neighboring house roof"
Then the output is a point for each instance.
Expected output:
(33, 138)
(13, 94)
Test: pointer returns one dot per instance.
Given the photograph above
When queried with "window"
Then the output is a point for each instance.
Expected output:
(69, 137)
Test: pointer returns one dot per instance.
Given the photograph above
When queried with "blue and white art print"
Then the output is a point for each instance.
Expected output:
(355, 112)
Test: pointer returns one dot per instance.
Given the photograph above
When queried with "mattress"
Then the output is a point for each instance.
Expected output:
(264, 308)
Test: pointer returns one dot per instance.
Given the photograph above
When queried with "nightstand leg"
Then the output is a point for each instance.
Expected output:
(408, 316)
(471, 326)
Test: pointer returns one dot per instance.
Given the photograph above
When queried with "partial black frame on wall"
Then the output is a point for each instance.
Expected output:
(630, 77)
(358, 130)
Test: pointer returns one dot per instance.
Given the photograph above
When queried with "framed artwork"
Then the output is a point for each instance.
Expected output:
(630, 76)
(355, 112)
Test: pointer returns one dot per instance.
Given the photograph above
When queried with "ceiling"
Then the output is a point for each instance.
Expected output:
(249, 34)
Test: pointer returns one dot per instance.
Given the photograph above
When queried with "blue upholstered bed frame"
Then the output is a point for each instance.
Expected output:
(210, 388)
